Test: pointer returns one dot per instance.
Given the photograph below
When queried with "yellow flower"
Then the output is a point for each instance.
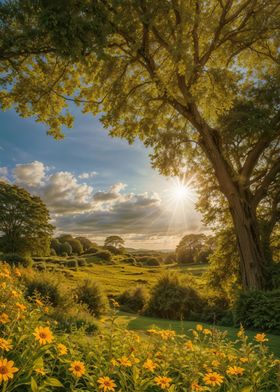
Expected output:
(189, 345)
(199, 327)
(5, 345)
(207, 331)
(106, 384)
(260, 337)
(43, 335)
(241, 332)
(15, 294)
(4, 318)
(17, 272)
(213, 379)
(114, 362)
(21, 306)
(40, 371)
(77, 368)
(235, 371)
(6, 370)
(244, 359)
(149, 365)
(62, 349)
(167, 334)
(46, 309)
(3, 285)
(163, 382)
(38, 302)
(134, 359)
(195, 387)
(124, 361)
(215, 363)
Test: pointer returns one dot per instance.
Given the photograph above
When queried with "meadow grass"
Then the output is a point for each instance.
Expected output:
(141, 323)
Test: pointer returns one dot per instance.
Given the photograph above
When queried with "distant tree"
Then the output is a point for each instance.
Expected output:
(24, 222)
(65, 238)
(86, 243)
(76, 246)
(190, 247)
(114, 240)
(65, 248)
(55, 245)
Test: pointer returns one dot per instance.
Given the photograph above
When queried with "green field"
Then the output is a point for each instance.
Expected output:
(116, 278)
(141, 323)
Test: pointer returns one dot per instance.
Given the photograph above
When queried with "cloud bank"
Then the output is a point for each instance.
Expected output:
(79, 208)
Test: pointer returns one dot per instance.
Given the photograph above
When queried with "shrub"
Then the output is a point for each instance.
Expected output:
(52, 252)
(91, 294)
(90, 250)
(45, 284)
(172, 299)
(149, 261)
(74, 318)
(82, 262)
(72, 263)
(104, 255)
(15, 259)
(129, 260)
(259, 310)
(133, 300)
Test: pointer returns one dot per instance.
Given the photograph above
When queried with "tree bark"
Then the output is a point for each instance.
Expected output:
(252, 259)
(251, 254)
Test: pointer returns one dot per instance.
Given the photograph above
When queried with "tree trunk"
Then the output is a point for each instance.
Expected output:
(252, 260)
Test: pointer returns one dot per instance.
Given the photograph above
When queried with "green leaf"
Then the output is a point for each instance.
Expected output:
(246, 389)
(53, 382)
(34, 386)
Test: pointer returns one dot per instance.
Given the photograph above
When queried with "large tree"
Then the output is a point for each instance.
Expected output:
(114, 240)
(161, 70)
(24, 222)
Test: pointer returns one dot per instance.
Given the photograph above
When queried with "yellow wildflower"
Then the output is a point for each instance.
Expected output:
(43, 335)
(4, 318)
(149, 365)
(260, 338)
(7, 370)
(213, 379)
(124, 361)
(235, 371)
(5, 345)
(77, 368)
(62, 349)
(163, 382)
(106, 384)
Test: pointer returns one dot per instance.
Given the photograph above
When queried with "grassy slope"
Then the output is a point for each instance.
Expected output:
(116, 278)
(140, 323)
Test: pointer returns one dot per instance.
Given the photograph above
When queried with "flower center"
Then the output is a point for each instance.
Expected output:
(43, 335)
(213, 378)
(78, 368)
(3, 370)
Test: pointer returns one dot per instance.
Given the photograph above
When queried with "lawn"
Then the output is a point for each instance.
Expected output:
(141, 323)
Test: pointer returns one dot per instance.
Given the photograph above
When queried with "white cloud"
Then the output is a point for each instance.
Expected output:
(4, 174)
(78, 209)
(85, 176)
(29, 174)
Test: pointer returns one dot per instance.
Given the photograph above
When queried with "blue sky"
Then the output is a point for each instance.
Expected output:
(104, 184)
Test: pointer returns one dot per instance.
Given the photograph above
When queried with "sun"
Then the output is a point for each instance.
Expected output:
(180, 191)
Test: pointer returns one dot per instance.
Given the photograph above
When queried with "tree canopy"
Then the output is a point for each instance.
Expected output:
(166, 71)
(114, 240)
(24, 222)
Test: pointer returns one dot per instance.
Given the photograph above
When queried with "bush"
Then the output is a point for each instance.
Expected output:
(149, 261)
(129, 260)
(259, 310)
(53, 252)
(45, 284)
(133, 300)
(91, 294)
(104, 255)
(73, 319)
(172, 299)
(15, 259)
(92, 249)
(82, 262)
(72, 263)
